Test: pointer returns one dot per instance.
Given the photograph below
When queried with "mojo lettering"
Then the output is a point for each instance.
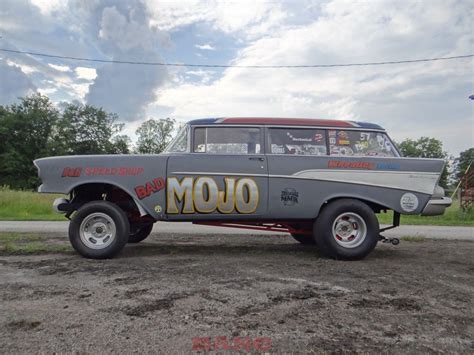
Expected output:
(149, 188)
(202, 195)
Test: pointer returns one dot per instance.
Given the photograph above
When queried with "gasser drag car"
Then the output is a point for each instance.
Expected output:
(322, 181)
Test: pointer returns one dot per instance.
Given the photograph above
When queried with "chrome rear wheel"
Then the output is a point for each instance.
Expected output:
(349, 230)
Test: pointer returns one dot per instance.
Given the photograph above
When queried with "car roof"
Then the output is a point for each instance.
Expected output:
(280, 121)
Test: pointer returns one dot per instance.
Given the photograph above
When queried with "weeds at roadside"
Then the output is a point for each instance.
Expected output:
(411, 238)
(21, 244)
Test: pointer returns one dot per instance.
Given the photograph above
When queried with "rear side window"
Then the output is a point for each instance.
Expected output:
(360, 143)
(297, 141)
(227, 140)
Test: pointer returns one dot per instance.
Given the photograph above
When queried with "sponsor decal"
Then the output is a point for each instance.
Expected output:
(409, 202)
(71, 172)
(101, 171)
(388, 166)
(296, 139)
(289, 196)
(121, 171)
(351, 164)
(343, 164)
(318, 137)
(342, 135)
(150, 188)
(278, 149)
(202, 195)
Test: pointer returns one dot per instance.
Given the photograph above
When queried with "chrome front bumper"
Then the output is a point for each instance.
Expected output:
(436, 206)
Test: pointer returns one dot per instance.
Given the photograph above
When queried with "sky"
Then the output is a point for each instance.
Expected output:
(409, 100)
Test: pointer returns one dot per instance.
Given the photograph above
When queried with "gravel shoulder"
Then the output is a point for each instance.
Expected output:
(158, 295)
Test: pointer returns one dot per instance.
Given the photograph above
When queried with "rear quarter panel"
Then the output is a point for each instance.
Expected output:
(313, 180)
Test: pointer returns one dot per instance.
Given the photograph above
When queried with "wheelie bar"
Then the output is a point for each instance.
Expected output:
(395, 223)
(393, 241)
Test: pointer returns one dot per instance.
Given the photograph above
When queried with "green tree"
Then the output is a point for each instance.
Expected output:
(26, 133)
(425, 147)
(465, 159)
(85, 129)
(154, 135)
(121, 144)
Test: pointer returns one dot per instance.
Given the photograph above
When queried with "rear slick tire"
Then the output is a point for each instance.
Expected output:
(346, 229)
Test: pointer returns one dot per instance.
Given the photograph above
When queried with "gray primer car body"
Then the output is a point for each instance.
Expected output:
(289, 186)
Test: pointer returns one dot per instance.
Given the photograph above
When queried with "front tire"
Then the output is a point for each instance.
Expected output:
(99, 230)
(346, 229)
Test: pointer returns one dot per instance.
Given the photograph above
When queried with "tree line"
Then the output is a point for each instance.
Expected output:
(34, 128)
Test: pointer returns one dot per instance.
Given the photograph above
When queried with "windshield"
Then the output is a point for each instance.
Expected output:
(180, 143)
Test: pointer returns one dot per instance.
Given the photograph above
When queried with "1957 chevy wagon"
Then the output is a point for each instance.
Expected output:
(322, 181)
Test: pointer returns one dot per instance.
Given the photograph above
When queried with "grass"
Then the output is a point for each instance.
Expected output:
(453, 216)
(26, 243)
(410, 238)
(33, 206)
(27, 206)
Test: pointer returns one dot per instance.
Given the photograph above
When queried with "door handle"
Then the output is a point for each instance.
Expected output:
(257, 158)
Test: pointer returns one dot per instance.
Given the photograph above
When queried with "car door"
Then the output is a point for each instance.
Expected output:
(291, 150)
(224, 176)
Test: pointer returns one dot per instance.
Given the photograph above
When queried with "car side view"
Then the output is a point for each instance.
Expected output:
(322, 181)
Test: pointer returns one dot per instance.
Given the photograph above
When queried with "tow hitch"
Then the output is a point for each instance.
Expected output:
(395, 223)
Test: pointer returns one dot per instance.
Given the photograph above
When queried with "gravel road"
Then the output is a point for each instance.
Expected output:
(433, 232)
(161, 294)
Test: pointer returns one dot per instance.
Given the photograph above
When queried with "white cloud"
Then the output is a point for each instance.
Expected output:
(204, 75)
(27, 69)
(344, 32)
(206, 46)
(62, 68)
(85, 73)
(248, 18)
(48, 6)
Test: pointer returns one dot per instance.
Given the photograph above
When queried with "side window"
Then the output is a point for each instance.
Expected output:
(360, 143)
(227, 140)
(180, 143)
(298, 141)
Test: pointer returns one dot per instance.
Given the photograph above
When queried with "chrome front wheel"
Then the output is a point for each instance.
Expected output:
(97, 230)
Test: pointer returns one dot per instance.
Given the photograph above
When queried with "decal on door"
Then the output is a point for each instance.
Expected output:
(202, 195)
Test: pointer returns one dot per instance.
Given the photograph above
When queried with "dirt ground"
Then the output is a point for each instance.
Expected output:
(159, 295)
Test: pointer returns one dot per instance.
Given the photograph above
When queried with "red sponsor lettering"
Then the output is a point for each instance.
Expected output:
(351, 164)
(121, 171)
(150, 187)
(71, 172)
